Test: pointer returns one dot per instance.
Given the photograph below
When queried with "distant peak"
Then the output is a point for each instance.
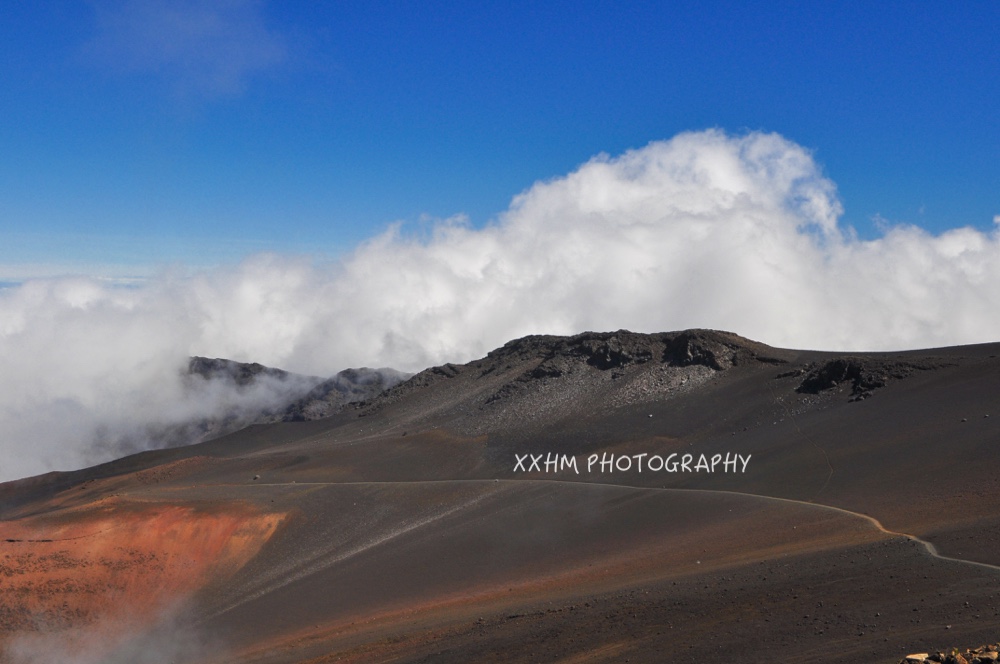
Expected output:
(239, 372)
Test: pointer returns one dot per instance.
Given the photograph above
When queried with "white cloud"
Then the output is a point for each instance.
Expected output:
(202, 47)
(704, 230)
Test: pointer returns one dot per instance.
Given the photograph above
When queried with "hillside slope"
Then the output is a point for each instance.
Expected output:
(418, 526)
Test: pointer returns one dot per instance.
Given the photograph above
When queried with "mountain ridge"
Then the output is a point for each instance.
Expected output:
(402, 527)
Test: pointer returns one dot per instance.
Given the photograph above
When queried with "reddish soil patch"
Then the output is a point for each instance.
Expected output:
(87, 576)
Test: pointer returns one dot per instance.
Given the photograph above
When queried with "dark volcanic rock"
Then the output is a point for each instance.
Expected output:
(246, 394)
(621, 349)
(348, 386)
(602, 351)
(545, 375)
(716, 350)
(864, 374)
(616, 351)
(239, 373)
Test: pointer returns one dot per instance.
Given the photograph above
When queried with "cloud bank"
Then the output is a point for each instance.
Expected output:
(707, 229)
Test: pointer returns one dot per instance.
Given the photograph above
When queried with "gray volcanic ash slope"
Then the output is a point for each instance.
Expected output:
(541, 380)
(401, 527)
(843, 429)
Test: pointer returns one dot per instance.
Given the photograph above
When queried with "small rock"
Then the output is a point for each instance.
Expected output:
(256, 477)
(916, 657)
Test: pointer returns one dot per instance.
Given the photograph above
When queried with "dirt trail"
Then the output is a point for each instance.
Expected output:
(929, 547)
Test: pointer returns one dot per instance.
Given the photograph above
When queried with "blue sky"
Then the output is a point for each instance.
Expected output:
(148, 132)
(224, 178)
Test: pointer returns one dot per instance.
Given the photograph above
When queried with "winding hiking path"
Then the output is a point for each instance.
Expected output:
(929, 547)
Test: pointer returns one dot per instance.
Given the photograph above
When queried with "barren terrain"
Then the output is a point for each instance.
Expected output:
(863, 527)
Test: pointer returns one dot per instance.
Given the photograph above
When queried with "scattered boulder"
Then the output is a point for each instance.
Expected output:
(987, 654)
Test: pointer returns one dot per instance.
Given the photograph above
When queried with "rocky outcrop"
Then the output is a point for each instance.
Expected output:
(716, 350)
(863, 374)
(987, 654)
(612, 351)
(544, 377)
(239, 373)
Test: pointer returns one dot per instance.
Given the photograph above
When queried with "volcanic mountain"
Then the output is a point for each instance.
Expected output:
(606, 497)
